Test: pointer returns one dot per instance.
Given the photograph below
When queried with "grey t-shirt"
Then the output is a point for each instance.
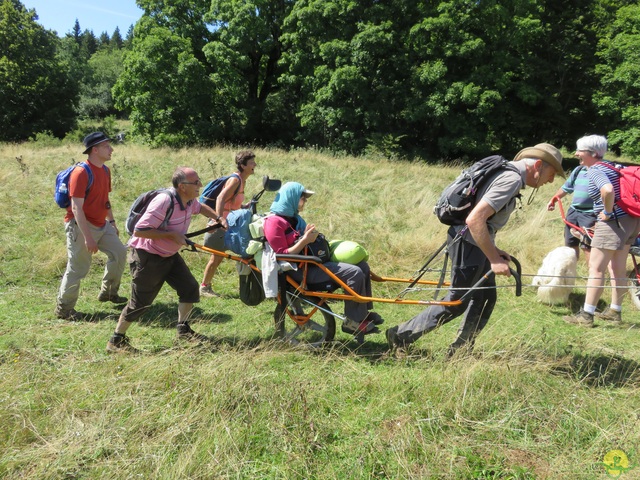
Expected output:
(500, 193)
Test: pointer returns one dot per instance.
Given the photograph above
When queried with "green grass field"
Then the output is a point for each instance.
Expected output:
(538, 399)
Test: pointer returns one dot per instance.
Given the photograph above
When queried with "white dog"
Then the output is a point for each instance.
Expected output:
(556, 276)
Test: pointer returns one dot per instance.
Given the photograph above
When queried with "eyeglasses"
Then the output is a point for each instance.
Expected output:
(197, 182)
(590, 152)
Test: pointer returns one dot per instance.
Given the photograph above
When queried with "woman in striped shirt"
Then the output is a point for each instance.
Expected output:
(614, 233)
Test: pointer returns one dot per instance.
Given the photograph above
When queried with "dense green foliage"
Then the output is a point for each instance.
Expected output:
(619, 97)
(444, 79)
(47, 83)
(36, 93)
(401, 78)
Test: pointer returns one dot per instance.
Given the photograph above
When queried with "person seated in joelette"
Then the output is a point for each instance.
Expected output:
(288, 233)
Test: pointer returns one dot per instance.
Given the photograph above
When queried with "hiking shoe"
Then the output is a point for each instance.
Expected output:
(581, 318)
(120, 344)
(375, 318)
(114, 298)
(207, 291)
(70, 315)
(392, 337)
(610, 315)
(354, 328)
(186, 332)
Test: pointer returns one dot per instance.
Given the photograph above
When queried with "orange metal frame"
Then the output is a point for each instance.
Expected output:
(348, 294)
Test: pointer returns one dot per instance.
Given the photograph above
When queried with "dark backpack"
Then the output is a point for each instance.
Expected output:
(459, 198)
(212, 190)
(251, 289)
(319, 248)
(629, 188)
(140, 205)
(61, 192)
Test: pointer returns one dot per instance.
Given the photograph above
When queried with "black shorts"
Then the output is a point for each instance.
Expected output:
(581, 219)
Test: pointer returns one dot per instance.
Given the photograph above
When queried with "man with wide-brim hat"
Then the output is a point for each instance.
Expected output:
(90, 227)
(473, 250)
(545, 152)
(92, 140)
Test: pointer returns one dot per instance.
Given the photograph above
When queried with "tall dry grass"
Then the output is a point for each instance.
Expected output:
(538, 399)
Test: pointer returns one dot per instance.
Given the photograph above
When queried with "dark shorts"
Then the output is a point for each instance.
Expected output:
(215, 239)
(581, 219)
(149, 272)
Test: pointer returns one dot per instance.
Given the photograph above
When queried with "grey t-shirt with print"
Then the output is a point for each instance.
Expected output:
(500, 192)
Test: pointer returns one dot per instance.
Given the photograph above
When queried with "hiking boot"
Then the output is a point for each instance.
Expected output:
(207, 291)
(610, 315)
(186, 332)
(375, 318)
(71, 315)
(355, 328)
(113, 298)
(120, 344)
(581, 318)
(392, 337)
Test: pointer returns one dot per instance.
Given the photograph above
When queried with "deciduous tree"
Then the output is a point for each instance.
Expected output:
(619, 95)
(166, 88)
(36, 92)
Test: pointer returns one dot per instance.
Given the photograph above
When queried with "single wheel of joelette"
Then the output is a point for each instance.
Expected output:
(304, 321)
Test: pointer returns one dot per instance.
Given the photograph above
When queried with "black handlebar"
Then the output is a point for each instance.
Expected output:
(517, 275)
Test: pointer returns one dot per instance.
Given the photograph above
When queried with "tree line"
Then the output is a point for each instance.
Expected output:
(48, 83)
(400, 78)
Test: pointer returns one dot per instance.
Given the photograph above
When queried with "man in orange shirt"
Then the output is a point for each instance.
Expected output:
(89, 227)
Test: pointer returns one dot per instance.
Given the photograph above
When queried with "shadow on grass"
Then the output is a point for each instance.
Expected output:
(597, 370)
(601, 370)
(165, 315)
(575, 303)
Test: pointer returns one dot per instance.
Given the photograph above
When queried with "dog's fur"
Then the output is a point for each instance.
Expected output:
(556, 275)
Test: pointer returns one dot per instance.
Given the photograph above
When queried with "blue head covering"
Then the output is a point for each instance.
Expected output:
(286, 202)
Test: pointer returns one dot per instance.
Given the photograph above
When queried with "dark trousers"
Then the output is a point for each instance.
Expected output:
(149, 272)
(468, 264)
(357, 277)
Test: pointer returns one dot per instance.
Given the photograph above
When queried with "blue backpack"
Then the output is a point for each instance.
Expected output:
(61, 192)
(212, 190)
(238, 235)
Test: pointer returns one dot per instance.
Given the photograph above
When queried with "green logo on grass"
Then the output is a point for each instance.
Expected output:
(616, 463)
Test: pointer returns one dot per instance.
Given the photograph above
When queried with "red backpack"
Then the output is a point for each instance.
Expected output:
(629, 188)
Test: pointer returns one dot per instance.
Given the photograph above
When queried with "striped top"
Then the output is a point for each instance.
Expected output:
(599, 176)
(578, 185)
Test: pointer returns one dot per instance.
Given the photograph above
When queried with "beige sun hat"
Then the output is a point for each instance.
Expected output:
(545, 152)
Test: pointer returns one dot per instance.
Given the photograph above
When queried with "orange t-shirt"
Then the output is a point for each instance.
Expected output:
(96, 203)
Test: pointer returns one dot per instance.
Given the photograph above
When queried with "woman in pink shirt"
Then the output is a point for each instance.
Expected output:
(288, 233)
